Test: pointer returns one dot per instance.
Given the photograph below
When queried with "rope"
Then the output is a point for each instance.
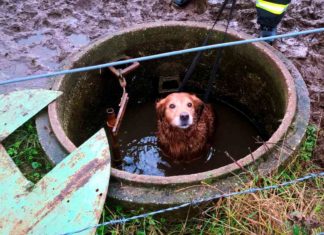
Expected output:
(196, 202)
(214, 72)
(198, 55)
(158, 56)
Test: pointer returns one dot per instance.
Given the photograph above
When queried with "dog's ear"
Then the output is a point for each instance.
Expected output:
(160, 108)
(196, 101)
(198, 104)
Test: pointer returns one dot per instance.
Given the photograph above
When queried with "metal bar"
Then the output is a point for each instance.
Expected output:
(121, 112)
(125, 71)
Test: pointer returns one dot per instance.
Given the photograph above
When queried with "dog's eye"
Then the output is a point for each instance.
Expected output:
(171, 106)
(189, 105)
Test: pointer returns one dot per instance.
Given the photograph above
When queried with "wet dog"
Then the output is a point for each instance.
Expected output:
(185, 126)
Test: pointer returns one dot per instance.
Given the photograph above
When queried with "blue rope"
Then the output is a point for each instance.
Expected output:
(158, 56)
(195, 202)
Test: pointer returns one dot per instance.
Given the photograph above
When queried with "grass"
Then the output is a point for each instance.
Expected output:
(25, 150)
(296, 210)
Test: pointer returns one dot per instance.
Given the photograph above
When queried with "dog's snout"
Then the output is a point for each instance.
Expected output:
(184, 117)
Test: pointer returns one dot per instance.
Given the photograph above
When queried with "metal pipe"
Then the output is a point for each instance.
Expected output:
(111, 118)
(111, 122)
(122, 72)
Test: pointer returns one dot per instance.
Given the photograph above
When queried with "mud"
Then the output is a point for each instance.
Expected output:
(37, 36)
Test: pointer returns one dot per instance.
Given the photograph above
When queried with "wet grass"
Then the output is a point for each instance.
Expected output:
(25, 150)
(297, 209)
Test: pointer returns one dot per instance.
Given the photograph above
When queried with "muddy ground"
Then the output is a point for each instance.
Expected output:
(37, 35)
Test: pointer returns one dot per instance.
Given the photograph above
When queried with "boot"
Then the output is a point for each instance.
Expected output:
(267, 32)
(180, 3)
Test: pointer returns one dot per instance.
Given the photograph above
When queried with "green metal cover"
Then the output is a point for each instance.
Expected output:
(68, 198)
(18, 107)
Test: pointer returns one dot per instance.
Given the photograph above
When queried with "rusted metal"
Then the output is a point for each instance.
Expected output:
(121, 112)
(122, 104)
(122, 109)
(57, 203)
(111, 122)
(120, 74)
(117, 72)
(114, 122)
(111, 118)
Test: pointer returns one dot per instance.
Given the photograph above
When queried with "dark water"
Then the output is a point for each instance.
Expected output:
(234, 133)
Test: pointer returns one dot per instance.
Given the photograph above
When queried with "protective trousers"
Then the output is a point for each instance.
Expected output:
(270, 12)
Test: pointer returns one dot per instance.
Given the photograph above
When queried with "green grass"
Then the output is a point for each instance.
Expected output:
(309, 145)
(24, 148)
(296, 210)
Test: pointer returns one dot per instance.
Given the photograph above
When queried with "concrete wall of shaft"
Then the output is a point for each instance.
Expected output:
(255, 76)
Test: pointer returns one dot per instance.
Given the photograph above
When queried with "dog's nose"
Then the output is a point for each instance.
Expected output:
(184, 117)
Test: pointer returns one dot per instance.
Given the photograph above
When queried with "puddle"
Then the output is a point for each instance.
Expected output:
(15, 70)
(37, 38)
(45, 55)
(78, 39)
(234, 133)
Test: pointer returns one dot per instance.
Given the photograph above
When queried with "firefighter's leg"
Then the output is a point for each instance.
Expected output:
(180, 3)
(270, 13)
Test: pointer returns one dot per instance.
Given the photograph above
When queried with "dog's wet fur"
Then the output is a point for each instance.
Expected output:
(185, 126)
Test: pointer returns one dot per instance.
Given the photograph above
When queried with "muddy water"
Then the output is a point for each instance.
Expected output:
(141, 155)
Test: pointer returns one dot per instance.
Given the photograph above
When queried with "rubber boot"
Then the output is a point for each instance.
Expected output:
(267, 32)
(180, 3)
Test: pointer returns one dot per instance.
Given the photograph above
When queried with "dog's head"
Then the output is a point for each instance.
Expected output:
(179, 109)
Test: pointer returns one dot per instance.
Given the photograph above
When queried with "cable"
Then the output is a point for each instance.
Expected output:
(196, 202)
(198, 55)
(214, 72)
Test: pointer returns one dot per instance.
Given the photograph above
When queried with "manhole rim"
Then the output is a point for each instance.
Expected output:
(191, 178)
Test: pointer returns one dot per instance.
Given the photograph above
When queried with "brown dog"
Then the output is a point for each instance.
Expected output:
(185, 125)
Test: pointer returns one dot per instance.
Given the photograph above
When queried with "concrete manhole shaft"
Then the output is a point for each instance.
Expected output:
(253, 76)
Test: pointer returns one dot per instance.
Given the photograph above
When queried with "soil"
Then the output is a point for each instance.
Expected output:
(36, 36)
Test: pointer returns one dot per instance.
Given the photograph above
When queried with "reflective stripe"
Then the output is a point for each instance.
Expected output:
(274, 8)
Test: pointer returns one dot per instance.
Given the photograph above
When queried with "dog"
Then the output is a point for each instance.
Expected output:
(185, 126)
